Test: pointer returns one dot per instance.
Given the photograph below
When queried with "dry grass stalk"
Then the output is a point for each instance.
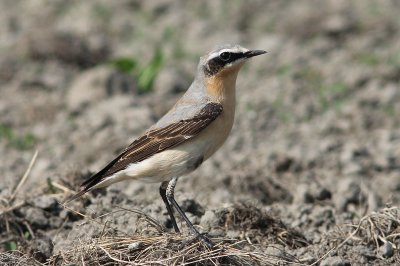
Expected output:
(375, 228)
(17, 258)
(24, 177)
(9, 204)
(165, 249)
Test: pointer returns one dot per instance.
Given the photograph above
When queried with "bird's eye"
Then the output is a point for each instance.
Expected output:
(225, 56)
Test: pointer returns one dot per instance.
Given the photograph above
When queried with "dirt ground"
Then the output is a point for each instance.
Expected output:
(309, 175)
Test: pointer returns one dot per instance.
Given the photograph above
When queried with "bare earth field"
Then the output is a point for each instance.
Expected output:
(310, 174)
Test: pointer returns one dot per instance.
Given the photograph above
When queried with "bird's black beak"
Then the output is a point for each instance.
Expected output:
(252, 53)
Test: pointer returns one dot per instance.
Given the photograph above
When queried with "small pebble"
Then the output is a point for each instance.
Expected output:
(45, 202)
(334, 261)
(135, 246)
(386, 250)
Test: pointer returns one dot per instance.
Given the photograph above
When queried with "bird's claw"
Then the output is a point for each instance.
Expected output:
(202, 237)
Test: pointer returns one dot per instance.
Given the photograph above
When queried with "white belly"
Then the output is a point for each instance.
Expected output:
(179, 160)
(174, 162)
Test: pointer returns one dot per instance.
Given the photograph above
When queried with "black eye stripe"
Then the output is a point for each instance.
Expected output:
(236, 56)
(216, 64)
(225, 56)
(233, 57)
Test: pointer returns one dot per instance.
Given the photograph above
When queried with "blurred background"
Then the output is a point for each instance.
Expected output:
(317, 117)
(80, 80)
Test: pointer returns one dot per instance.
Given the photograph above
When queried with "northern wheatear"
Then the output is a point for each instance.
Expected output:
(196, 126)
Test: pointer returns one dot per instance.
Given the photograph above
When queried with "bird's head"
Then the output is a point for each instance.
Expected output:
(226, 59)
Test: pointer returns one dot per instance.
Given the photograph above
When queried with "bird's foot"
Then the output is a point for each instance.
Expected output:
(198, 237)
(202, 237)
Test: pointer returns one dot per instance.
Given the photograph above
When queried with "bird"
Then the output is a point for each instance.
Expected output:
(186, 136)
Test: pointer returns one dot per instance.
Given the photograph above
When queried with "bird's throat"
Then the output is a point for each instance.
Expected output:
(221, 87)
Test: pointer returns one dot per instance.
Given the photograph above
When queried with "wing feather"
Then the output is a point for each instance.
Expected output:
(155, 141)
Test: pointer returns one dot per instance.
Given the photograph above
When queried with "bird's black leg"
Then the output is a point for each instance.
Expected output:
(163, 193)
(171, 199)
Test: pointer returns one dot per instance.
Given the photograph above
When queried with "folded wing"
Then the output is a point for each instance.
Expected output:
(155, 141)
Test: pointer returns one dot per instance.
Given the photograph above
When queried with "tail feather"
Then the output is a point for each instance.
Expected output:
(92, 181)
(99, 176)
(75, 196)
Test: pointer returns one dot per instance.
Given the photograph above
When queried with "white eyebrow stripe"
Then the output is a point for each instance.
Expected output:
(213, 55)
(230, 50)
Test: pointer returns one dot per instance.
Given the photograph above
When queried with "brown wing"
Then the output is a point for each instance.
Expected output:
(156, 141)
